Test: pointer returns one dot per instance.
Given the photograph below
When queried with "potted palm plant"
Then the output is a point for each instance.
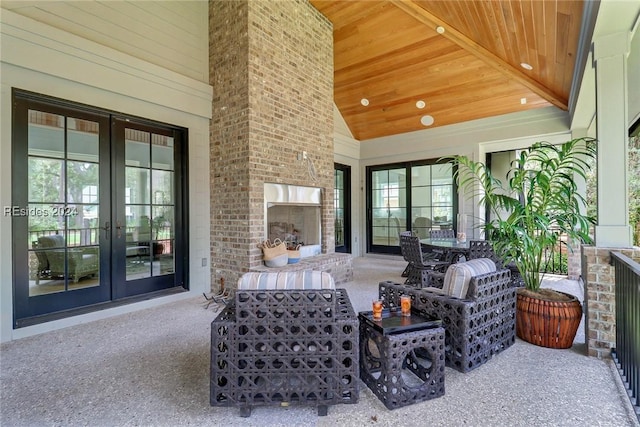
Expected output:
(531, 212)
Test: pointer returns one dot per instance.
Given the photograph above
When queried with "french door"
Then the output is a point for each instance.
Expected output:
(96, 207)
(342, 207)
(416, 196)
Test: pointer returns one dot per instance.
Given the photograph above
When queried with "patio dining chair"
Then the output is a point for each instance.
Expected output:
(419, 263)
(441, 234)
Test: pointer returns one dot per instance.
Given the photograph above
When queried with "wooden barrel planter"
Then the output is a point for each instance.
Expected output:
(547, 323)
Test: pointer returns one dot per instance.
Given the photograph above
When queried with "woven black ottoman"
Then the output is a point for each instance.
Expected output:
(402, 358)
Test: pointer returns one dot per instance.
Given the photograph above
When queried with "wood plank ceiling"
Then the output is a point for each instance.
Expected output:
(461, 58)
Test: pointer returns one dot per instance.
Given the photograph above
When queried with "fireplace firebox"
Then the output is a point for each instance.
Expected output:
(293, 215)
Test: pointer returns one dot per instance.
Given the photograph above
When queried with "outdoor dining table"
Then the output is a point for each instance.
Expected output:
(453, 249)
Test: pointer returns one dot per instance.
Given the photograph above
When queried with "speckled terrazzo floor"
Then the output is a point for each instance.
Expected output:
(151, 368)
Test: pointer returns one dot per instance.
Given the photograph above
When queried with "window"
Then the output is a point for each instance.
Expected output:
(417, 196)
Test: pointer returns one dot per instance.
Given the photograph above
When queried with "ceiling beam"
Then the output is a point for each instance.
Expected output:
(476, 49)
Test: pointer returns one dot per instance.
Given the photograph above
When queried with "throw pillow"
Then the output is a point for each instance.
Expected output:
(306, 279)
(458, 276)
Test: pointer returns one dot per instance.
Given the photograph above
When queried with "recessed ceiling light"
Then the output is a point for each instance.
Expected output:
(420, 104)
(426, 120)
(440, 29)
(364, 101)
(526, 66)
(523, 101)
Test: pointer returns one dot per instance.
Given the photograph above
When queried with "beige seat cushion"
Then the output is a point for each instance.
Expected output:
(458, 276)
(307, 279)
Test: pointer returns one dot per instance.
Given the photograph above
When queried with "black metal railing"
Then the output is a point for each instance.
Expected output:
(75, 236)
(627, 351)
(90, 236)
(555, 259)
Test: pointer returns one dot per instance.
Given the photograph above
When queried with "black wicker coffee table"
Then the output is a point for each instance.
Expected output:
(402, 358)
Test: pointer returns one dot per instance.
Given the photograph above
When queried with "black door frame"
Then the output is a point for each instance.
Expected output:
(42, 308)
(346, 169)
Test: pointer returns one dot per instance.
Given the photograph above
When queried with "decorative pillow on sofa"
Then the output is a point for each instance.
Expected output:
(458, 276)
(306, 279)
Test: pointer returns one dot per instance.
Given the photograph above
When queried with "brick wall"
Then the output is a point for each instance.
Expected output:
(272, 76)
(574, 260)
(599, 299)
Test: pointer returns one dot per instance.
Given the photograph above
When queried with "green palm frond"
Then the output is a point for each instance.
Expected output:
(543, 176)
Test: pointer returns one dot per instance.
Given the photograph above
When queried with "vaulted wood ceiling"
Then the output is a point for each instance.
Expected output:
(395, 53)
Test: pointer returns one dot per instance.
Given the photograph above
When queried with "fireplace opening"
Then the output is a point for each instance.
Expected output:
(293, 215)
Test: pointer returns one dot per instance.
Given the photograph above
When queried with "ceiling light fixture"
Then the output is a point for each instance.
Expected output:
(426, 120)
(526, 66)
(523, 101)
(440, 29)
(364, 101)
(420, 104)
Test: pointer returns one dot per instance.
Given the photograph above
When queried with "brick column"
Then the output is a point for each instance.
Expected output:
(574, 260)
(599, 299)
(271, 65)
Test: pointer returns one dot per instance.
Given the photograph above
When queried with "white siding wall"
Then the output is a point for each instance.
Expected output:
(170, 34)
(347, 152)
(633, 67)
(48, 60)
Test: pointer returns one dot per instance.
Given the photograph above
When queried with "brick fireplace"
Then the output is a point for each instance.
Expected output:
(272, 74)
(293, 214)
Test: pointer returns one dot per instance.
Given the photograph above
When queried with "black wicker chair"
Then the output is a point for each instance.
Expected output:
(476, 327)
(484, 249)
(419, 263)
(288, 345)
(442, 234)
(440, 254)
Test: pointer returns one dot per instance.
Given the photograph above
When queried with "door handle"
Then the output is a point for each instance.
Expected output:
(106, 228)
(119, 229)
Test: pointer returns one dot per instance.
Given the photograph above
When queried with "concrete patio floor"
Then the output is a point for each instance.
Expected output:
(151, 368)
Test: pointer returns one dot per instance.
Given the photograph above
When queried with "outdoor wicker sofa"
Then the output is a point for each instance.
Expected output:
(286, 338)
(478, 323)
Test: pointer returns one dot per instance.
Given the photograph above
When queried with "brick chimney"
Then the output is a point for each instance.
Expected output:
(271, 68)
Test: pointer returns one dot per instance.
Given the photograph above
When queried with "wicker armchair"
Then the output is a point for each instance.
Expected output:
(476, 327)
(53, 258)
(286, 338)
(419, 263)
(484, 249)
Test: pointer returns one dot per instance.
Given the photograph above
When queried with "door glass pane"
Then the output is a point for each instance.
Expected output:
(149, 204)
(63, 204)
(138, 241)
(138, 185)
(431, 198)
(136, 146)
(389, 199)
(162, 152)
(163, 205)
(442, 174)
(162, 183)
(82, 140)
(339, 205)
(46, 134)
(421, 175)
(46, 180)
